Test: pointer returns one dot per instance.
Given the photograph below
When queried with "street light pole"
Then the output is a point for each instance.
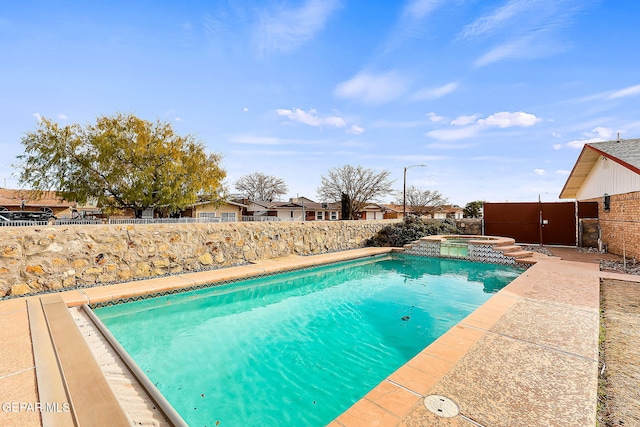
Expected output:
(404, 189)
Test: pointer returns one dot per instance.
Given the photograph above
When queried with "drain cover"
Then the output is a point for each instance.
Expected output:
(441, 406)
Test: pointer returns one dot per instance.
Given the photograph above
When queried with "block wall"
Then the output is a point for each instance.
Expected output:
(35, 259)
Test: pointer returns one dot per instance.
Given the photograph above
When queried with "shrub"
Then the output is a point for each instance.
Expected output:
(410, 229)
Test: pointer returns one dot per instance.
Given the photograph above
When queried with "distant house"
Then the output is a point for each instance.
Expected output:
(446, 211)
(26, 200)
(440, 212)
(227, 211)
(296, 209)
(373, 211)
(609, 173)
(392, 211)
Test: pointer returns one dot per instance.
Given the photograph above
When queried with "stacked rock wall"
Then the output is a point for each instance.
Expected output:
(34, 259)
(470, 226)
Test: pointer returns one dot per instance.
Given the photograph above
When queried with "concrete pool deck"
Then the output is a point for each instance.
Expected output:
(529, 356)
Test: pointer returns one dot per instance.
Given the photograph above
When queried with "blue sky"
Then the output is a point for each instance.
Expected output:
(496, 97)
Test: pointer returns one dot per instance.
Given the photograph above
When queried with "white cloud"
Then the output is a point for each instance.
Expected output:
(629, 91)
(507, 119)
(37, 116)
(563, 172)
(491, 22)
(608, 95)
(470, 126)
(437, 92)
(286, 29)
(179, 119)
(62, 116)
(579, 143)
(418, 9)
(245, 109)
(454, 134)
(598, 134)
(311, 118)
(372, 89)
(464, 120)
(555, 134)
(603, 132)
(557, 146)
(435, 118)
(539, 171)
(355, 130)
(519, 48)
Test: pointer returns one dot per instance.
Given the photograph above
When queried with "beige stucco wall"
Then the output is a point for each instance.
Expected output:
(218, 210)
(34, 259)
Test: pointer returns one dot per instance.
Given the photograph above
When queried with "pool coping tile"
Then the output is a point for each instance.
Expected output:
(393, 398)
(365, 413)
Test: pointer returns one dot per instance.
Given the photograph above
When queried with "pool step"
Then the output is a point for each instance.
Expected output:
(66, 370)
(518, 254)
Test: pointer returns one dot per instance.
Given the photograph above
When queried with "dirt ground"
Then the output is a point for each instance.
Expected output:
(620, 353)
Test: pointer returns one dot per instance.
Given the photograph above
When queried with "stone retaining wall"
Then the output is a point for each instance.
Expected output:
(589, 233)
(34, 259)
(470, 226)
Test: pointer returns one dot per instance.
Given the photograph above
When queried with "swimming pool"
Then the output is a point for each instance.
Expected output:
(297, 348)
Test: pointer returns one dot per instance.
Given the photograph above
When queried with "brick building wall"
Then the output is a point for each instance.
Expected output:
(621, 224)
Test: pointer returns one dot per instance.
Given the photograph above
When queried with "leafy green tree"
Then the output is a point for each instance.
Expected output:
(360, 185)
(123, 162)
(474, 209)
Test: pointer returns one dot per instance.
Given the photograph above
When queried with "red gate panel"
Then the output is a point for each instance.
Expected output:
(559, 223)
(516, 220)
(532, 222)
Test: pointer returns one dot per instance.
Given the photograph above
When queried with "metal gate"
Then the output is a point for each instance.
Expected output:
(537, 223)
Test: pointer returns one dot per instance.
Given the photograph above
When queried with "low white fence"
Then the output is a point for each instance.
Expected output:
(261, 218)
(115, 221)
(163, 220)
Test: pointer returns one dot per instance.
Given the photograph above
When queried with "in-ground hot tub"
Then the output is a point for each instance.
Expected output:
(492, 249)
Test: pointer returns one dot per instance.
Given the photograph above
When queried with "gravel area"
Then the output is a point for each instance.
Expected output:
(632, 266)
(619, 391)
(538, 249)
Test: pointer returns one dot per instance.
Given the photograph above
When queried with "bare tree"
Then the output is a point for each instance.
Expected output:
(421, 201)
(258, 186)
(361, 185)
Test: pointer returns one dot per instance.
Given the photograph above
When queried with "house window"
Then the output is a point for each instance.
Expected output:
(206, 214)
(228, 217)
(320, 215)
(334, 216)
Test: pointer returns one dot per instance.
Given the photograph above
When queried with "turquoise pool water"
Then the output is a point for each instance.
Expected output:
(297, 349)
